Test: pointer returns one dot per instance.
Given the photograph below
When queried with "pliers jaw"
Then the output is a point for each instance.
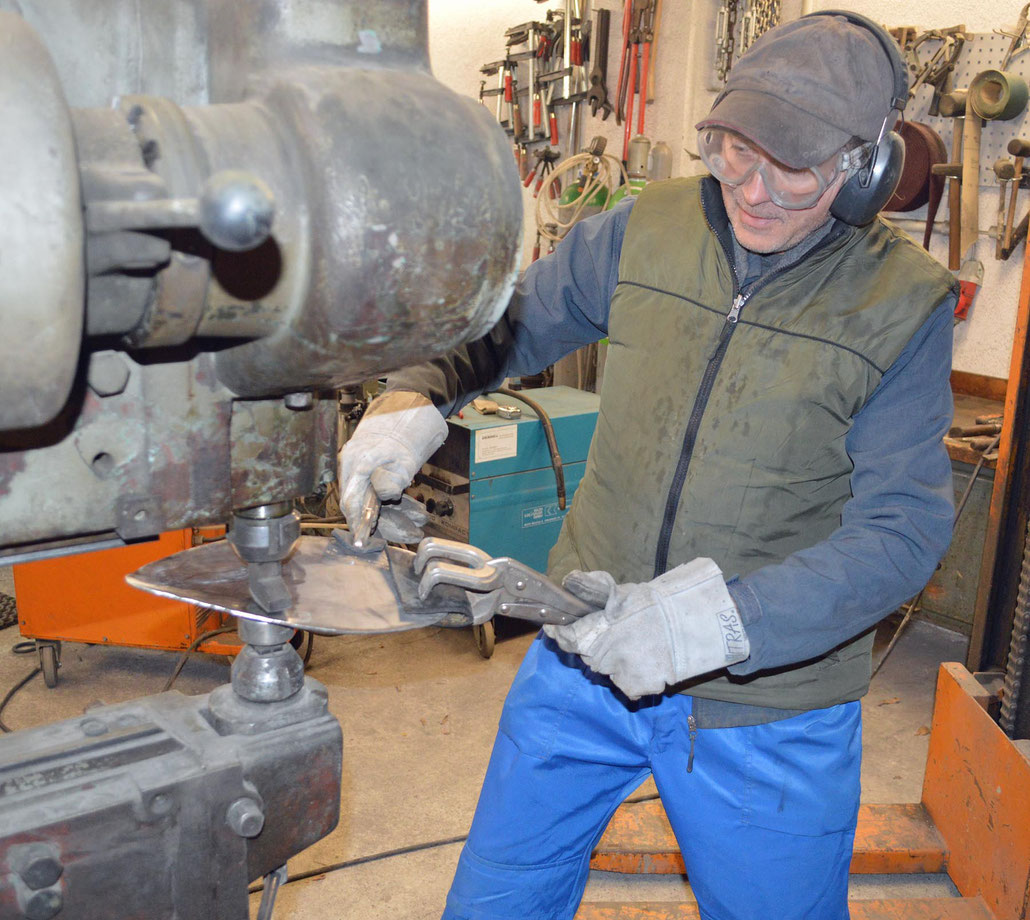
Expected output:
(506, 585)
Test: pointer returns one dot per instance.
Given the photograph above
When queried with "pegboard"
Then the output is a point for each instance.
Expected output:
(982, 51)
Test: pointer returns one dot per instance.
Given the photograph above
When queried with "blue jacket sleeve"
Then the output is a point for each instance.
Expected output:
(560, 304)
(894, 529)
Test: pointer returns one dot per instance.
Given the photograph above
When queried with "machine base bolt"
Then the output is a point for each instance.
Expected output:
(245, 817)
(42, 905)
(37, 864)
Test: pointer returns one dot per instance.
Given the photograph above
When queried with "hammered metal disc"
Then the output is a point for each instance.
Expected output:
(334, 592)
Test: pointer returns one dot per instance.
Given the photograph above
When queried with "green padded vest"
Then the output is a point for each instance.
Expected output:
(768, 474)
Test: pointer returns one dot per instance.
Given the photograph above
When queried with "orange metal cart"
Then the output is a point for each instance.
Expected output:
(84, 598)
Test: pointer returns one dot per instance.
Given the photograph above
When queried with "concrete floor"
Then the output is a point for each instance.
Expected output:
(418, 711)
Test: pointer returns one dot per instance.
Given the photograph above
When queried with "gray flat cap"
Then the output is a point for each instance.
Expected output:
(806, 88)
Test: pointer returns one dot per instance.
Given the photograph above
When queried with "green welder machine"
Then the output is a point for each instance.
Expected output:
(497, 483)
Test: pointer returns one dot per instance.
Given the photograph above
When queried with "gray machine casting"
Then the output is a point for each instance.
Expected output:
(164, 358)
(212, 215)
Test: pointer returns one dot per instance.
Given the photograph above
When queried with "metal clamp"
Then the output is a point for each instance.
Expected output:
(515, 589)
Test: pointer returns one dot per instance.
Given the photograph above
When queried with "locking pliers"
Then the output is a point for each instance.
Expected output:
(506, 586)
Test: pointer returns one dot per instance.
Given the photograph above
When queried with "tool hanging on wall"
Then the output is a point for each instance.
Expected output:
(725, 24)
(759, 17)
(964, 171)
(597, 95)
(1018, 36)
(953, 106)
(627, 25)
(998, 95)
(1020, 149)
(738, 24)
(1005, 170)
(637, 56)
(993, 95)
(545, 160)
(937, 70)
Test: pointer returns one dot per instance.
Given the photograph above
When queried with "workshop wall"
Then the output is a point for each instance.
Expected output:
(464, 36)
(983, 343)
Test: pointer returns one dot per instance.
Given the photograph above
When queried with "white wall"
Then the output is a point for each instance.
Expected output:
(464, 34)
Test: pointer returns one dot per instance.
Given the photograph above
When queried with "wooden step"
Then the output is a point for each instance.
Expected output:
(889, 838)
(894, 909)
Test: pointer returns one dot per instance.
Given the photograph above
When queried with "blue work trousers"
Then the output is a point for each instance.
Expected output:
(764, 815)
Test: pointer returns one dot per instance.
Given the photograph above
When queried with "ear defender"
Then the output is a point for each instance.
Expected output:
(869, 189)
(863, 194)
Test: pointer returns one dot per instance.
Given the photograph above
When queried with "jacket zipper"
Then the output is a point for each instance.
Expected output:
(704, 392)
(693, 424)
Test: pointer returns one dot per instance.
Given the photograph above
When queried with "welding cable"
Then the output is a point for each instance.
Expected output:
(609, 170)
(203, 637)
(401, 851)
(10, 695)
(552, 441)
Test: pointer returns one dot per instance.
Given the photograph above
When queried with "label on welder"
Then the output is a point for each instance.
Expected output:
(541, 514)
(497, 443)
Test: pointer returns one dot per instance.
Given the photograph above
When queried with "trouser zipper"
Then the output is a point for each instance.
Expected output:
(692, 725)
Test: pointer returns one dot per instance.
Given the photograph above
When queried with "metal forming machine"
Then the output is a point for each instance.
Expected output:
(212, 215)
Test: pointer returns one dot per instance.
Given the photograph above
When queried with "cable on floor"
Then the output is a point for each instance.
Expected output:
(10, 695)
(401, 851)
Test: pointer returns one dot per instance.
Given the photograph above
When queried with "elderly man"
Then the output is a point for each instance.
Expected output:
(766, 482)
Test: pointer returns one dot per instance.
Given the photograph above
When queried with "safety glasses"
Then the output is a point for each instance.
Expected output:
(733, 159)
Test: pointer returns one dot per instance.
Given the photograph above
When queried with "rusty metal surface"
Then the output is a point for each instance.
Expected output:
(895, 838)
(873, 909)
(277, 453)
(167, 450)
(383, 264)
(977, 790)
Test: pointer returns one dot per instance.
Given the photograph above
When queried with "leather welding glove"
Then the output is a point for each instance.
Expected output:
(658, 633)
(398, 433)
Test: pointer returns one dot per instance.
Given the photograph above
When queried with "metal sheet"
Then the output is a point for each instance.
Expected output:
(335, 592)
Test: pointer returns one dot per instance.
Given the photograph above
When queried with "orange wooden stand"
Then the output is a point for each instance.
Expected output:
(973, 823)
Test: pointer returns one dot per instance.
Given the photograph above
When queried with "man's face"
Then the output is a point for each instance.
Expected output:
(762, 226)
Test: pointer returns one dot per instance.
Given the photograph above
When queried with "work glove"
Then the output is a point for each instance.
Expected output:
(658, 633)
(398, 433)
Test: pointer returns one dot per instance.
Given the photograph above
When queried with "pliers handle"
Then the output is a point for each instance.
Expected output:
(510, 587)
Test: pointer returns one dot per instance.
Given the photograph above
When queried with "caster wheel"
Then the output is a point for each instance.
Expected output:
(484, 636)
(49, 662)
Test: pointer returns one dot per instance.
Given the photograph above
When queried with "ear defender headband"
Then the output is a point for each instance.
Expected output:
(864, 193)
